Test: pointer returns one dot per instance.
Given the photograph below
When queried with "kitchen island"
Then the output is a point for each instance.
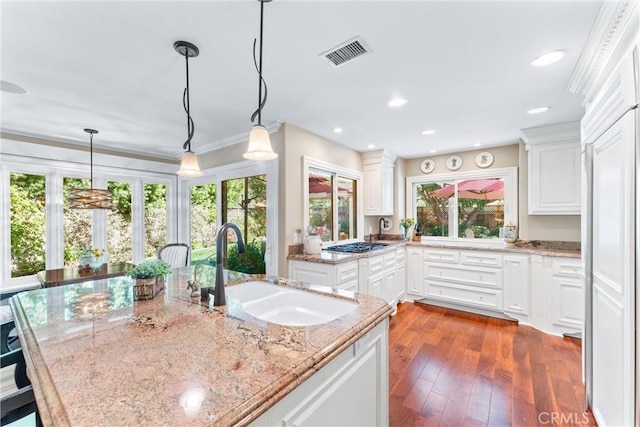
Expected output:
(96, 357)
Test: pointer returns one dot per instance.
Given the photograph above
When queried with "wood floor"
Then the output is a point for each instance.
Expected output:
(451, 368)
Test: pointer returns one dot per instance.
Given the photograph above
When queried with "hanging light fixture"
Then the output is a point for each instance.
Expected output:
(189, 166)
(259, 142)
(90, 198)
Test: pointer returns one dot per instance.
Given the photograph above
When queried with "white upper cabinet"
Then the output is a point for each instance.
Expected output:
(554, 169)
(378, 182)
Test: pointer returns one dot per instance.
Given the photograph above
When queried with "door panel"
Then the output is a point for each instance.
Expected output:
(613, 274)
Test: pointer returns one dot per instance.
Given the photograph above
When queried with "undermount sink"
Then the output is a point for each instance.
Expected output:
(287, 306)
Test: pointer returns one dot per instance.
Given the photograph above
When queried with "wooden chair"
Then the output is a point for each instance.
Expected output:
(175, 254)
(21, 402)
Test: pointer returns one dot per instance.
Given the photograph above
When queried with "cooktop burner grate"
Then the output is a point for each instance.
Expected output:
(357, 247)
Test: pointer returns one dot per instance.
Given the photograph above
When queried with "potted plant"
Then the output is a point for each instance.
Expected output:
(149, 277)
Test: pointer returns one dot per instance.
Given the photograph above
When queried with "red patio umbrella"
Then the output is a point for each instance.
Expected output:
(485, 189)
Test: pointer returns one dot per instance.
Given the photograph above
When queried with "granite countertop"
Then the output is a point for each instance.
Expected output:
(534, 248)
(97, 357)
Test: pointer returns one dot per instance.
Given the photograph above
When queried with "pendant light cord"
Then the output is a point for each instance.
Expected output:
(186, 104)
(91, 158)
(261, 100)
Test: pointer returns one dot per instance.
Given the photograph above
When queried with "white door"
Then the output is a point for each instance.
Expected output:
(613, 217)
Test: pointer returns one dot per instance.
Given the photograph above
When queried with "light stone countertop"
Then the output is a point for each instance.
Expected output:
(96, 357)
(327, 257)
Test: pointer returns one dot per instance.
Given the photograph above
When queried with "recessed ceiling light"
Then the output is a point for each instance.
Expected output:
(433, 151)
(429, 132)
(337, 130)
(397, 102)
(371, 146)
(477, 144)
(548, 58)
(11, 88)
(538, 110)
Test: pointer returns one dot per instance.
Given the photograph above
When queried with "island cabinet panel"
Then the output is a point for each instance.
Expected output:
(352, 389)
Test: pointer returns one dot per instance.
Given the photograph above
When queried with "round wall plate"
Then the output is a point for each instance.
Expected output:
(427, 166)
(484, 159)
(454, 163)
(387, 224)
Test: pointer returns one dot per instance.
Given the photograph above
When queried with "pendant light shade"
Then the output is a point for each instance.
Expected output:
(90, 198)
(259, 145)
(189, 166)
(259, 141)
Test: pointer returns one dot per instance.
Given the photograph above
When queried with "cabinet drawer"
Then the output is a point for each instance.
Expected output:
(477, 297)
(485, 277)
(375, 264)
(351, 286)
(485, 259)
(567, 269)
(452, 257)
(347, 271)
(389, 260)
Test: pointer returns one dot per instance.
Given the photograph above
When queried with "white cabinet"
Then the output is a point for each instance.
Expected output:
(342, 275)
(567, 296)
(401, 275)
(515, 282)
(415, 269)
(352, 389)
(377, 276)
(545, 292)
(554, 169)
(378, 182)
(469, 278)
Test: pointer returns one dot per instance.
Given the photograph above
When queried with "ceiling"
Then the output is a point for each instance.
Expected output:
(464, 68)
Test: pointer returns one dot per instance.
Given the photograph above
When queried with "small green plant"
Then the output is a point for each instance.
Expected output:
(407, 222)
(150, 269)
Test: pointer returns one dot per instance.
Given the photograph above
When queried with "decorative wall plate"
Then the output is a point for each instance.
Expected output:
(454, 162)
(484, 159)
(427, 166)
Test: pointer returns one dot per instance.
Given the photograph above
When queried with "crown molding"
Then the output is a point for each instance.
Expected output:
(271, 127)
(561, 132)
(612, 35)
(378, 156)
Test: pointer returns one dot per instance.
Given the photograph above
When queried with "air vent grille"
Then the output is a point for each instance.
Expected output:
(345, 52)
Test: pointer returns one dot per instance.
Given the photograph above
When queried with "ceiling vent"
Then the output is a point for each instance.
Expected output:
(345, 52)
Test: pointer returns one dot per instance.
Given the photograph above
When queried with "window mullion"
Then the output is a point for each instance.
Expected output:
(54, 221)
(334, 208)
(137, 218)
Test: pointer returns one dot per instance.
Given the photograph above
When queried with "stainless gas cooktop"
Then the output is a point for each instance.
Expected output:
(357, 247)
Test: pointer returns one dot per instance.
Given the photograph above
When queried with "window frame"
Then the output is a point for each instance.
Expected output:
(510, 177)
(237, 170)
(54, 171)
(336, 171)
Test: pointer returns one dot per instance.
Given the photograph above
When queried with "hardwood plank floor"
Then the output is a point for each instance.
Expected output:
(451, 368)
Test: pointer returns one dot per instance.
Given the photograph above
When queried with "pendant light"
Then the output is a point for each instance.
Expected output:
(189, 166)
(259, 142)
(90, 198)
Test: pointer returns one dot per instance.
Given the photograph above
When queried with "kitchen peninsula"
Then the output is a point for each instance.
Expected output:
(97, 357)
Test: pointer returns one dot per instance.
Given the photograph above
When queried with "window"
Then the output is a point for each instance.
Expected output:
(38, 231)
(331, 197)
(119, 227)
(466, 205)
(28, 223)
(155, 218)
(203, 215)
(78, 223)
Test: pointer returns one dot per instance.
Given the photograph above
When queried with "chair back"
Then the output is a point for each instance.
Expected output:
(175, 254)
